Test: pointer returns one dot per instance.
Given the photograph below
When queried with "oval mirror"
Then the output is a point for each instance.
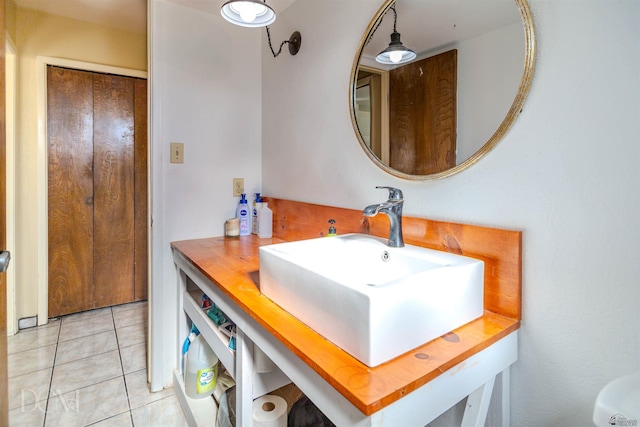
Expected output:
(454, 100)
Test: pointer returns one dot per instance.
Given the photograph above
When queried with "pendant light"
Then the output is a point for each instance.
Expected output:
(396, 53)
(248, 13)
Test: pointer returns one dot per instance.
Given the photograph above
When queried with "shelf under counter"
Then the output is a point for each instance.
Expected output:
(264, 382)
(218, 342)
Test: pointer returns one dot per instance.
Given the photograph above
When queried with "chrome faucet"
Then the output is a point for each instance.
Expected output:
(393, 209)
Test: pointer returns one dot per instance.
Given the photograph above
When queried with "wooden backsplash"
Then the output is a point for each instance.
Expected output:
(501, 250)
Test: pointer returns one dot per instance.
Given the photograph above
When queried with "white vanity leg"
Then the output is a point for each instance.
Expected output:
(475, 413)
(183, 325)
(505, 383)
(244, 380)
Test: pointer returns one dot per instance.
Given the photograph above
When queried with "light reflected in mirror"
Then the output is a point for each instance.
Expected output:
(441, 112)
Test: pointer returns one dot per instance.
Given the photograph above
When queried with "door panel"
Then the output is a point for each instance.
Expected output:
(141, 167)
(113, 184)
(70, 176)
(422, 113)
(97, 190)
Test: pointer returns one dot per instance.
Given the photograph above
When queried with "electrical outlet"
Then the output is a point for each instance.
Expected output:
(238, 186)
(177, 152)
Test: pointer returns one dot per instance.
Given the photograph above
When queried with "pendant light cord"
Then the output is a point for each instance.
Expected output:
(395, 21)
(395, 18)
(271, 47)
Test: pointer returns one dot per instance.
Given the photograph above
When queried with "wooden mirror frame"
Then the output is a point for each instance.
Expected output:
(507, 122)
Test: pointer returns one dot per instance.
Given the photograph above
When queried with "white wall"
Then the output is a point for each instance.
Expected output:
(566, 175)
(489, 74)
(205, 88)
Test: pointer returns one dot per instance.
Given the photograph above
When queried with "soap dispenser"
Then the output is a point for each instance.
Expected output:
(244, 215)
(332, 229)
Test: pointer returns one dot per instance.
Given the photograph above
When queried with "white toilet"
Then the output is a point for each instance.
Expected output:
(618, 403)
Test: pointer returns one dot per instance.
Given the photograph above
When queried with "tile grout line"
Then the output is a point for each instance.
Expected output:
(55, 355)
(124, 379)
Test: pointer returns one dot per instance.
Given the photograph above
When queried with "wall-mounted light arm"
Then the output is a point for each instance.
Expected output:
(294, 43)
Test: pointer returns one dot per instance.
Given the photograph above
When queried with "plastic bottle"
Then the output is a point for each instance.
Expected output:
(202, 369)
(265, 221)
(257, 204)
(244, 215)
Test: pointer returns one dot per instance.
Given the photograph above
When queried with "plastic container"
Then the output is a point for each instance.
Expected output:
(257, 204)
(201, 370)
(244, 216)
(265, 221)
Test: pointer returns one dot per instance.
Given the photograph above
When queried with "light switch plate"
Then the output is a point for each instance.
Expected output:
(177, 152)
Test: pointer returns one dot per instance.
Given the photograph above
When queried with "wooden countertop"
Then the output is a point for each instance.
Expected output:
(232, 265)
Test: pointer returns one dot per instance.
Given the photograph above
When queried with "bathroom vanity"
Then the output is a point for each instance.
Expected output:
(410, 390)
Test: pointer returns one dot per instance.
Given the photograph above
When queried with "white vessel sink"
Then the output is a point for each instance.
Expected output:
(373, 301)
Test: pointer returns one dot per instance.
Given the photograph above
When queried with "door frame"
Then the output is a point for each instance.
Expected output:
(43, 156)
(11, 70)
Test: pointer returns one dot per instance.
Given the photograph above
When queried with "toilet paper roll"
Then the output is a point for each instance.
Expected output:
(270, 411)
(261, 362)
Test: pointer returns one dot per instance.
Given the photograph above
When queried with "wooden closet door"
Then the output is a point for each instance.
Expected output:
(97, 142)
(113, 186)
(70, 174)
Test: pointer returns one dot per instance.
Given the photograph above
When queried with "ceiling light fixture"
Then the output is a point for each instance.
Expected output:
(248, 13)
(256, 13)
(396, 53)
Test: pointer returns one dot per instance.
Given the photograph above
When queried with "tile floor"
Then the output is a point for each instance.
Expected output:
(87, 369)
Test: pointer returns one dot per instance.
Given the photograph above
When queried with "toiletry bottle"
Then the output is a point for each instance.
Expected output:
(265, 221)
(257, 203)
(243, 214)
(332, 228)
